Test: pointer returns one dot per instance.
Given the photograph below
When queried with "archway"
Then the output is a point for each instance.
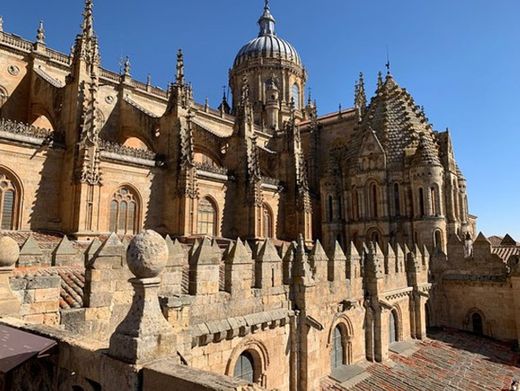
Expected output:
(477, 324)
(393, 327)
(337, 351)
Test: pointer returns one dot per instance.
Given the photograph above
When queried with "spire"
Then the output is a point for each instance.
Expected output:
(87, 27)
(40, 34)
(180, 68)
(266, 21)
(360, 99)
(224, 107)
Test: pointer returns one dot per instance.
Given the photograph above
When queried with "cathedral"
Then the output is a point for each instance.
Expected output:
(296, 244)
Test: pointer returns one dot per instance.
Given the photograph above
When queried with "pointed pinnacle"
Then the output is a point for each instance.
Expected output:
(87, 27)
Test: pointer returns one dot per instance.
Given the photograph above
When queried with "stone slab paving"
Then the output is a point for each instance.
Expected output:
(449, 360)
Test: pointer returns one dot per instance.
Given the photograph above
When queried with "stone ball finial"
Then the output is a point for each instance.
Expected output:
(9, 252)
(147, 254)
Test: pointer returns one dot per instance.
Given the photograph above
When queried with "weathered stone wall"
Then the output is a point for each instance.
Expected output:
(37, 170)
(39, 297)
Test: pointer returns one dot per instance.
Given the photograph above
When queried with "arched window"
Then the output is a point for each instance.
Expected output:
(124, 212)
(421, 202)
(8, 203)
(42, 121)
(355, 204)
(136, 143)
(245, 368)
(393, 328)
(331, 208)
(435, 210)
(373, 200)
(337, 353)
(437, 240)
(207, 218)
(267, 229)
(397, 200)
(295, 94)
(374, 237)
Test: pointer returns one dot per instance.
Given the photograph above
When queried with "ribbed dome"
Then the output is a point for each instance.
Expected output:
(267, 44)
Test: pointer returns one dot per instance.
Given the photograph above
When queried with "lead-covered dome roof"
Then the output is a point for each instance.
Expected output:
(267, 44)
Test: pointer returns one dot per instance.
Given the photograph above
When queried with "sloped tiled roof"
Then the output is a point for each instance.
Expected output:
(72, 282)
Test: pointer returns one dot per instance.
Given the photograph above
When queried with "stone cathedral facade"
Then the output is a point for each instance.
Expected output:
(297, 243)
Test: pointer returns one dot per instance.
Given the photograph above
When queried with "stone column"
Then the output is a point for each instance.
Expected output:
(144, 335)
(9, 254)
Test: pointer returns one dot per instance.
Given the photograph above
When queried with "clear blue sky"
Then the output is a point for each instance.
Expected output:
(458, 58)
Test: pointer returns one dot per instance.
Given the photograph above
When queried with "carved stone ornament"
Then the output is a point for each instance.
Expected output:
(13, 70)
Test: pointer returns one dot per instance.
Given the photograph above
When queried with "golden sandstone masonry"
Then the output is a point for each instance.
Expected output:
(164, 244)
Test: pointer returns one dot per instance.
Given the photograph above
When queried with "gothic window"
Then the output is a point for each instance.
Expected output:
(207, 218)
(245, 368)
(393, 329)
(295, 94)
(397, 200)
(8, 203)
(421, 202)
(267, 222)
(373, 200)
(124, 212)
(337, 354)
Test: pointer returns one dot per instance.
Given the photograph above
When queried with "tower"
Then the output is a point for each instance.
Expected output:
(274, 72)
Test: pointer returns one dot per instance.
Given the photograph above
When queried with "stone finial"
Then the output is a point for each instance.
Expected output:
(204, 253)
(176, 252)
(30, 253)
(144, 335)
(179, 78)
(40, 34)
(318, 258)
(238, 254)
(65, 253)
(287, 255)
(147, 255)
(9, 253)
(238, 270)
(126, 67)
(379, 80)
(1, 23)
(390, 260)
(268, 252)
(353, 262)
(337, 263)
(400, 258)
(302, 269)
